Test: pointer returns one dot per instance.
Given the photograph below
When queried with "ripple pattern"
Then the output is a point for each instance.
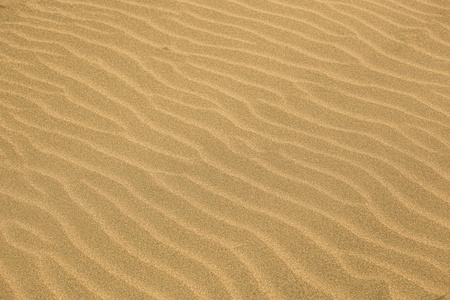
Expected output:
(237, 149)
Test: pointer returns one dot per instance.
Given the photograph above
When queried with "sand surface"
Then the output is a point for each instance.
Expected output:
(225, 149)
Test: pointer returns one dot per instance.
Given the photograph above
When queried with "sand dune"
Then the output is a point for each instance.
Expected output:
(237, 149)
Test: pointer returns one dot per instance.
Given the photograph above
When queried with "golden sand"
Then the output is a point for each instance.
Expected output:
(225, 149)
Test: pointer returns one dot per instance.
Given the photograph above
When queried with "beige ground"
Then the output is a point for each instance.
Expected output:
(225, 149)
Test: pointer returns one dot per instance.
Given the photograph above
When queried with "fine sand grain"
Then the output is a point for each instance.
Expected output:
(225, 149)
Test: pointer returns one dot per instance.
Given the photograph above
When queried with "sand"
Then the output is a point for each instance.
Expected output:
(235, 149)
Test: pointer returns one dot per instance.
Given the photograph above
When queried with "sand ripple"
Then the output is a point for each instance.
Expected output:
(230, 149)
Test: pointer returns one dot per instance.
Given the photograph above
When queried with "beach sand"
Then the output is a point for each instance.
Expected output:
(235, 149)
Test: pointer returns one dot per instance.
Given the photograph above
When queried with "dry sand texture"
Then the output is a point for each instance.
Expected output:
(225, 149)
